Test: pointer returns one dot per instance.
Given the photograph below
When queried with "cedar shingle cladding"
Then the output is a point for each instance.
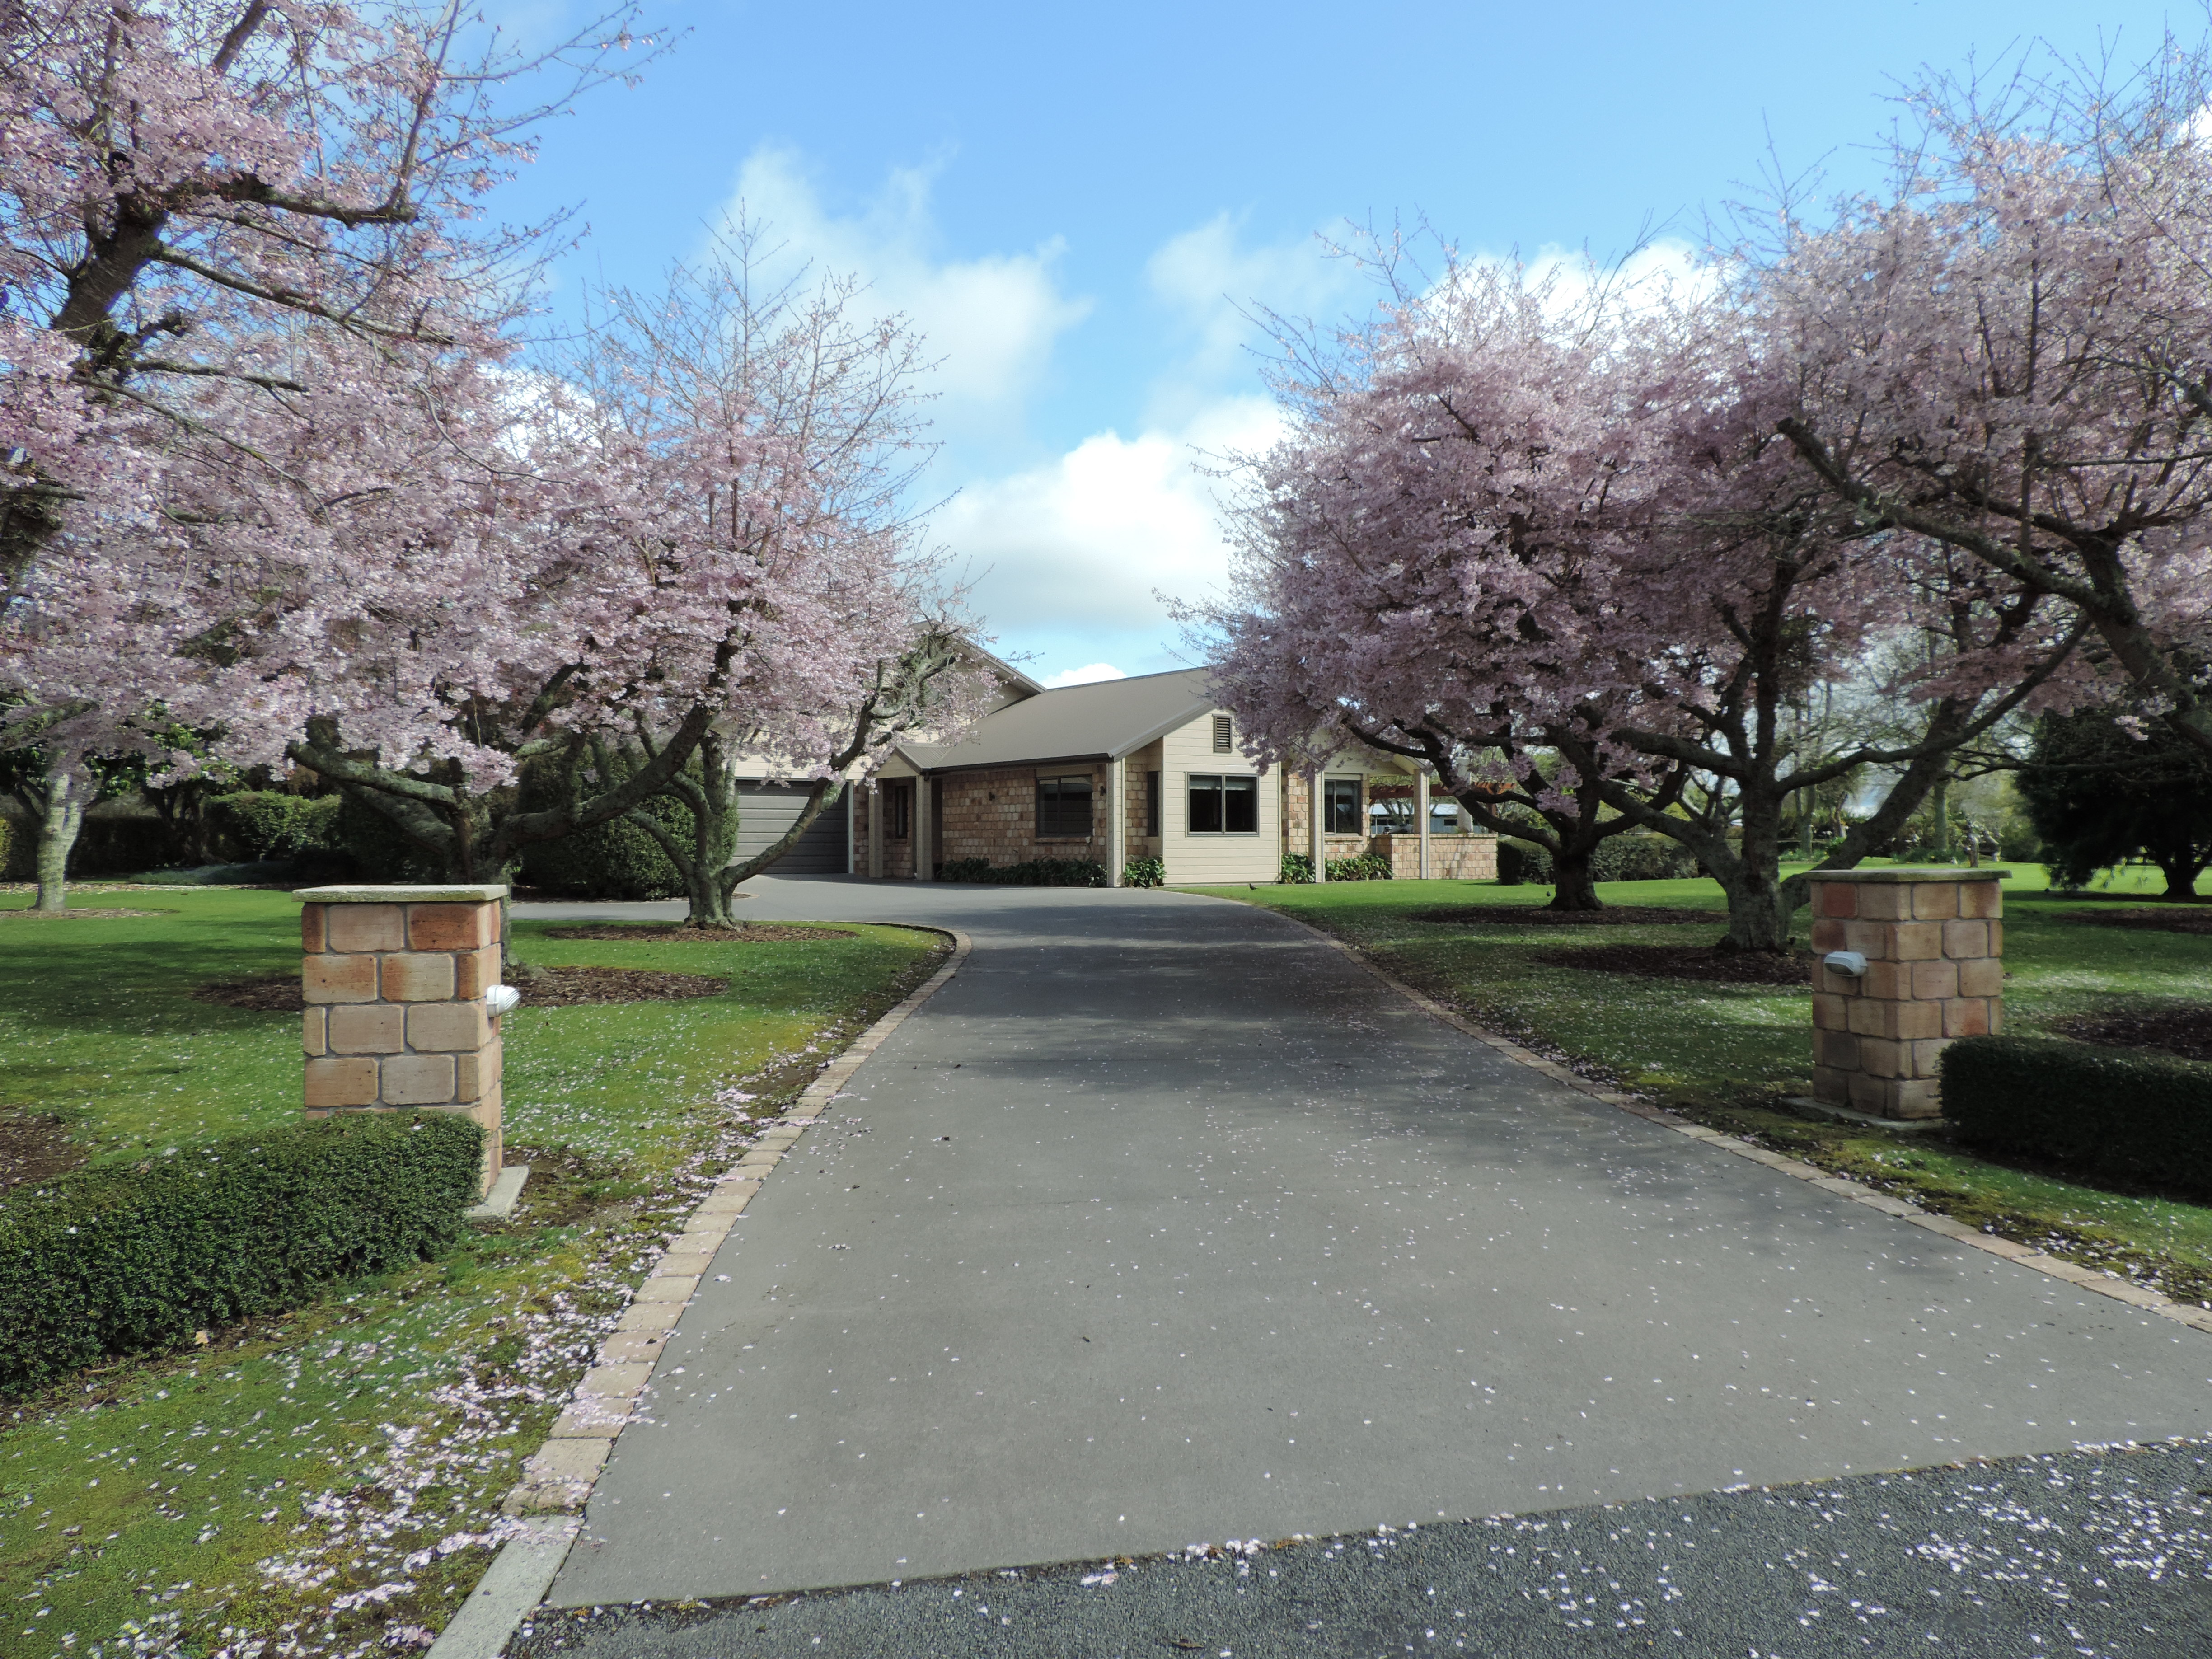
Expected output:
(992, 814)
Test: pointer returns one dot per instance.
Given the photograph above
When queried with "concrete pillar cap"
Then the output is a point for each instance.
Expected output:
(1903, 874)
(459, 894)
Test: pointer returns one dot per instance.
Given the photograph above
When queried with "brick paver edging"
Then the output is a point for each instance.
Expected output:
(559, 1476)
(2087, 1278)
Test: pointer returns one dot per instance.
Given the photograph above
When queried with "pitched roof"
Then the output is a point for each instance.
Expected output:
(1103, 720)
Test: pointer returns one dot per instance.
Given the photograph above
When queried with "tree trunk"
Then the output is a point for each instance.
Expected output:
(1761, 905)
(2181, 875)
(1939, 800)
(57, 830)
(1574, 886)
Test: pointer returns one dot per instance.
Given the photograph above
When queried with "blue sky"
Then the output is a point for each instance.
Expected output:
(1075, 203)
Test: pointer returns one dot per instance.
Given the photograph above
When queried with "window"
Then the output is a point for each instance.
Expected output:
(1152, 803)
(1224, 737)
(1340, 806)
(1223, 805)
(898, 811)
(1064, 807)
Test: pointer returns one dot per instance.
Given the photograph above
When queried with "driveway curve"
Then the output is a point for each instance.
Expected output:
(1162, 1223)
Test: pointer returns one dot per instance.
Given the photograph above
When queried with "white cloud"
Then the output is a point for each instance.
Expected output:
(1220, 291)
(1084, 541)
(992, 320)
(1089, 674)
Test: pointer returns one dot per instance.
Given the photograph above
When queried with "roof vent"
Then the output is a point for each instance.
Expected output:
(1222, 736)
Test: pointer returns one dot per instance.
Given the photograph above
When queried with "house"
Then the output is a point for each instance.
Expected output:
(1144, 767)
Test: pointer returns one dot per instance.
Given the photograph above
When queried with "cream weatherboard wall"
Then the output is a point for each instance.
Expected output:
(1189, 750)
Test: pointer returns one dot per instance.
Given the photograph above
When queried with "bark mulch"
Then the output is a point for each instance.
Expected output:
(1538, 915)
(1694, 961)
(2181, 918)
(675, 932)
(2186, 1032)
(33, 1145)
(541, 987)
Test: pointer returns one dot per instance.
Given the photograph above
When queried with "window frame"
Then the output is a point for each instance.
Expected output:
(898, 797)
(1194, 786)
(1334, 819)
(1091, 806)
(1152, 792)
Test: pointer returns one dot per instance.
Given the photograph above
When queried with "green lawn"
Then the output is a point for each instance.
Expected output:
(1726, 1054)
(331, 1476)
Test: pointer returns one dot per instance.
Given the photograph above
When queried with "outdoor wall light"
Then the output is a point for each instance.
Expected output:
(1851, 963)
(502, 999)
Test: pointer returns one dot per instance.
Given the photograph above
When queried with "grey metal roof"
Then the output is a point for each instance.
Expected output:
(1076, 722)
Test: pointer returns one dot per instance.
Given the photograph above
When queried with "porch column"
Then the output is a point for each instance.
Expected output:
(925, 850)
(1117, 819)
(1318, 848)
(875, 830)
(1421, 816)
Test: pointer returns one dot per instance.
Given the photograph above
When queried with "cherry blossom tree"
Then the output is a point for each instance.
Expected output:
(1511, 520)
(2011, 353)
(713, 548)
(221, 223)
(935, 685)
(185, 177)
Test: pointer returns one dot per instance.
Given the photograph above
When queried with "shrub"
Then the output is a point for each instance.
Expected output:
(268, 823)
(1144, 873)
(128, 1259)
(379, 853)
(618, 859)
(1618, 858)
(1368, 866)
(1036, 873)
(2110, 1111)
(1297, 869)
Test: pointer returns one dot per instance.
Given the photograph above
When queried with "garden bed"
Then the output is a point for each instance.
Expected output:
(541, 988)
(2185, 1032)
(1542, 916)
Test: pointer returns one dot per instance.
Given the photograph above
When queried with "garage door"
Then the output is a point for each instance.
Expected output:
(766, 810)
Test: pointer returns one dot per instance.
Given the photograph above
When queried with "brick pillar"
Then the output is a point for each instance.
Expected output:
(394, 980)
(1934, 947)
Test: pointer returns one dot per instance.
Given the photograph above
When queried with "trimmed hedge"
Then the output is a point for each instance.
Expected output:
(1036, 873)
(2110, 1111)
(136, 1258)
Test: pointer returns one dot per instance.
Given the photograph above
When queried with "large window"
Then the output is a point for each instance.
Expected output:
(1224, 804)
(898, 811)
(1064, 808)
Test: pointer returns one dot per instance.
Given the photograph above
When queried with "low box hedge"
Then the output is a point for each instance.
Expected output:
(135, 1258)
(2110, 1111)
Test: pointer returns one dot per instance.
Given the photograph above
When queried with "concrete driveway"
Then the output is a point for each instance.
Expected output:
(1162, 1223)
